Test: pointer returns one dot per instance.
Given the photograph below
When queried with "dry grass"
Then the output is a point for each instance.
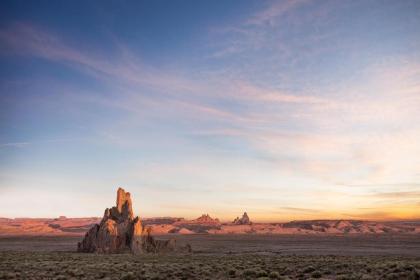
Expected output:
(221, 257)
(61, 265)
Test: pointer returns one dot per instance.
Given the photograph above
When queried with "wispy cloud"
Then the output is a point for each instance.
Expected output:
(275, 10)
(397, 195)
(128, 70)
(258, 94)
(405, 185)
(14, 144)
(28, 39)
(24, 144)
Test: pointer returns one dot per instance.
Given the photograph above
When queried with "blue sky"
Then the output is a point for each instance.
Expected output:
(285, 109)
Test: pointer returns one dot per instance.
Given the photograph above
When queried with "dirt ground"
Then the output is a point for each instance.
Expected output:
(221, 257)
(348, 245)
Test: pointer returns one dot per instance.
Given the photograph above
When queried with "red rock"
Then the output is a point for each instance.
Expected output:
(116, 231)
(242, 221)
(124, 204)
(206, 219)
(120, 232)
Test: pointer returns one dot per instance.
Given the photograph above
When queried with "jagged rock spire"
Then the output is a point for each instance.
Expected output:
(124, 204)
(119, 231)
(242, 221)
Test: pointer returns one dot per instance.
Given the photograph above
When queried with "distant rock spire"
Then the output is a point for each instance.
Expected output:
(242, 221)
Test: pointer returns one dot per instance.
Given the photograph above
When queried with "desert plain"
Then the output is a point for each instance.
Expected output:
(223, 256)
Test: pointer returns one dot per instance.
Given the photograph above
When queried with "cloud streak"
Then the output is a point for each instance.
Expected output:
(274, 11)
(14, 144)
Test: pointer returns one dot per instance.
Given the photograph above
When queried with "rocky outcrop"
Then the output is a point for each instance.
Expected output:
(242, 221)
(119, 231)
(206, 219)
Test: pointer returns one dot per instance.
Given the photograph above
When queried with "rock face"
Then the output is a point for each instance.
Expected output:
(119, 231)
(242, 221)
(206, 219)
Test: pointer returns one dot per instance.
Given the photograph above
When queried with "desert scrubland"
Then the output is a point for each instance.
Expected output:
(27, 265)
(220, 257)
(121, 246)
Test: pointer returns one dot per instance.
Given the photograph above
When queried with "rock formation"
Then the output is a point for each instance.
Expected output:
(242, 221)
(119, 231)
(206, 219)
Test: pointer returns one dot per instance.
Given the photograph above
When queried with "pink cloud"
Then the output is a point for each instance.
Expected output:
(275, 10)
(254, 93)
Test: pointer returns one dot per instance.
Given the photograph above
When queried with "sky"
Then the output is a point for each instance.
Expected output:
(284, 109)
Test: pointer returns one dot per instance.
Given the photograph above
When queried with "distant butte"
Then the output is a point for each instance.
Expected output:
(242, 221)
(206, 219)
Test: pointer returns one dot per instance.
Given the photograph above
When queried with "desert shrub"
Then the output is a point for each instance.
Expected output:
(101, 274)
(239, 267)
(392, 265)
(72, 272)
(232, 272)
(249, 273)
(287, 271)
(327, 272)
(316, 274)
(343, 277)
(393, 276)
(414, 275)
(408, 267)
(9, 275)
(309, 269)
(274, 275)
(128, 276)
(261, 273)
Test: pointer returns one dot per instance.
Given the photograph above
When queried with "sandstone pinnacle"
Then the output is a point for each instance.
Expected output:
(119, 231)
(242, 221)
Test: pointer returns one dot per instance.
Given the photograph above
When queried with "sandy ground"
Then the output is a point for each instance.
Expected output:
(350, 245)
